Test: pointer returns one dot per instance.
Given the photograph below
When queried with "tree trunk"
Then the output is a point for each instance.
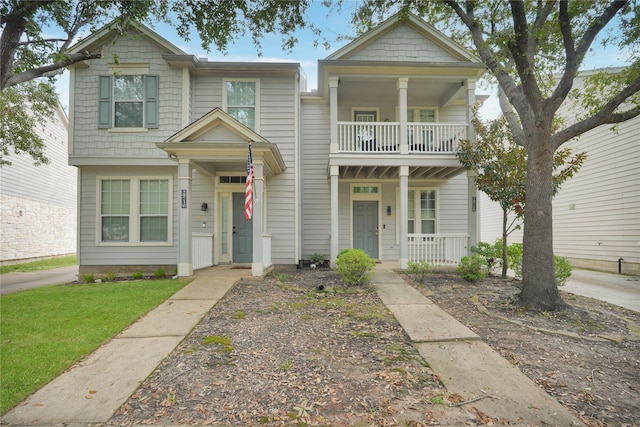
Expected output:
(505, 246)
(539, 288)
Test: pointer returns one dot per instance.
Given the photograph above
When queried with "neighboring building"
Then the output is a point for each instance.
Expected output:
(367, 161)
(38, 203)
(596, 213)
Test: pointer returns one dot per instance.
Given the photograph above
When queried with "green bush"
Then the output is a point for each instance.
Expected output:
(110, 276)
(355, 267)
(317, 259)
(562, 269)
(137, 275)
(159, 273)
(473, 268)
(88, 278)
(419, 269)
(492, 254)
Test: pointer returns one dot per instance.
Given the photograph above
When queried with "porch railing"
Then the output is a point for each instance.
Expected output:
(384, 137)
(438, 249)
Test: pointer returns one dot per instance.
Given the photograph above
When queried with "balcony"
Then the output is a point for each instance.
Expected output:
(384, 137)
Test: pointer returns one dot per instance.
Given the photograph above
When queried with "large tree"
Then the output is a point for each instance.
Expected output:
(534, 50)
(30, 58)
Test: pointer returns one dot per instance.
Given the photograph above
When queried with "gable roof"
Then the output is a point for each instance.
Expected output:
(109, 32)
(418, 25)
(218, 135)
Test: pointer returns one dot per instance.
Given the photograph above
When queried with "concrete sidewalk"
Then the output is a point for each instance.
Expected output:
(618, 289)
(91, 391)
(464, 363)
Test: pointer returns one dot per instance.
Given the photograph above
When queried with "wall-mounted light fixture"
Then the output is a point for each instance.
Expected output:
(204, 207)
(388, 210)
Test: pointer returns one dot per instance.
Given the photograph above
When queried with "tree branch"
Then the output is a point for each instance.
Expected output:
(606, 115)
(519, 49)
(51, 69)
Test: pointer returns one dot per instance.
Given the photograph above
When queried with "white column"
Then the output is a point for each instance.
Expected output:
(404, 217)
(333, 114)
(334, 170)
(471, 102)
(257, 265)
(185, 265)
(472, 191)
(403, 83)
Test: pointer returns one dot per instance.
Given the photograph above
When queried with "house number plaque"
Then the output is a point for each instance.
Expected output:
(184, 198)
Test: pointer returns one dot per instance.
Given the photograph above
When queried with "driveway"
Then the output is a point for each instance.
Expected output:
(618, 289)
(12, 282)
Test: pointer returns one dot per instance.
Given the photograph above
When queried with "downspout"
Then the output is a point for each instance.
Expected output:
(298, 164)
(620, 265)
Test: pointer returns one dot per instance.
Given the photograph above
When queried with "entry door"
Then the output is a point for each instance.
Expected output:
(242, 232)
(365, 227)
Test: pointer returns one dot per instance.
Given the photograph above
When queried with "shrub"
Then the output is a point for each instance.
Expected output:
(562, 269)
(514, 256)
(159, 273)
(472, 268)
(355, 267)
(110, 276)
(137, 275)
(88, 278)
(419, 269)
(492, 254)
(317, 259)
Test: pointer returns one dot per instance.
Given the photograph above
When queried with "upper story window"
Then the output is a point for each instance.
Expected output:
(128, 102)
(241, 100)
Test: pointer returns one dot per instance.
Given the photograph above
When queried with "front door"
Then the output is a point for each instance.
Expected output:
(242, 232)
(365, 227)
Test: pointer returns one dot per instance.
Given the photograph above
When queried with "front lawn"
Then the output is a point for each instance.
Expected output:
(46, 330)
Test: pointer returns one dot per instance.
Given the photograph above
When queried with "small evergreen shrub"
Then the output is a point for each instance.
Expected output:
(562, 269)
(355, 267)
(137, 275)
(159, 273)
(419, 269)
(88, 278)
(472, 268)
(110, 276)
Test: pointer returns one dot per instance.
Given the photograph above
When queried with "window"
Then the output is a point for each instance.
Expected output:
(128, 101)
(241, 102)
(135, 210)
(422, 211)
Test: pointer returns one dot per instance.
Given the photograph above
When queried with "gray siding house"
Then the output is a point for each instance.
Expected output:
(596, 213)
(38, 203)
(161, 139)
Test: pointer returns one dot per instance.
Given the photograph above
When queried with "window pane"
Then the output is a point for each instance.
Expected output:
(128, 114)
(427, 116)
(153, 229)
(115, 229)
(246, 115)
(428, 227)
(241, 93)
(154, 197)
(428, 211)
(128, 88)
(115, 197)
(411, 205)
(411, 226)
(368, 190)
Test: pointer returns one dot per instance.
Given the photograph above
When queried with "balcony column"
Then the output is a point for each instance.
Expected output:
(471, 102)
(334, 171)
(185, 265)
(333, 114)
(403, 84)
(404, 216)
(257, 263)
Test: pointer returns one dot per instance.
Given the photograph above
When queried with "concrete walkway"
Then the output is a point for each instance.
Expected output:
(618, 289)
(92, 390)
(464, 363)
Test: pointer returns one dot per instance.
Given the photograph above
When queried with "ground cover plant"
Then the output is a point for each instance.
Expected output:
(45, 264)
(48, 329)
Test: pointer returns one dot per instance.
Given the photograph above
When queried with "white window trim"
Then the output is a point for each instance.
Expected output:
(365, 109)
(398, 219)
(134, 214)
(224, 97)
(113, 127)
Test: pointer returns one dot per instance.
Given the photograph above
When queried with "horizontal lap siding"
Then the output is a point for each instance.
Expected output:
(316, 196)
(92, 254)
(277, 124)
(597, 212)
(453, 209)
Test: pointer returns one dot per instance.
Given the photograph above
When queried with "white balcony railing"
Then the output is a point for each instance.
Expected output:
(438, 249)
(442, 138)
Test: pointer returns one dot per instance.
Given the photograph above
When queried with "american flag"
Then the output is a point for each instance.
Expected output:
(248, 192)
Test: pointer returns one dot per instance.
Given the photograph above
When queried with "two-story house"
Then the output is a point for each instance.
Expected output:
(162, 137)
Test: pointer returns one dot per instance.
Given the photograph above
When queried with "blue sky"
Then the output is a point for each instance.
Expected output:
(307, 55)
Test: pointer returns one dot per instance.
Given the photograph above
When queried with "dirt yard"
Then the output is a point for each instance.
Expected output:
(298, 348)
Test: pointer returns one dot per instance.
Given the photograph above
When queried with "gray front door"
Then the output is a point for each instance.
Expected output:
(242, 232)
(365, 227)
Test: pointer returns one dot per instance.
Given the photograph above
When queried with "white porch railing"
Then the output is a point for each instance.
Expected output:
(384, 137)
(438, 249)
(202, 250)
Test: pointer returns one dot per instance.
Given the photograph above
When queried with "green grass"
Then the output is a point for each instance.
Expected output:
(48, 329)
(46, 264)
